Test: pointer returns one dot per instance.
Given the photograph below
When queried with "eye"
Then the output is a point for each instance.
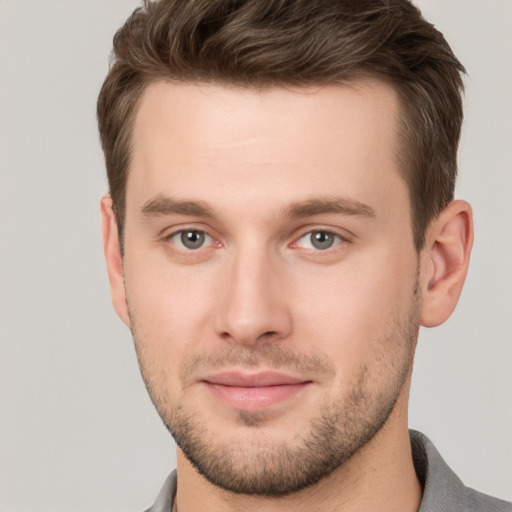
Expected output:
(319, 240)
(190, 239)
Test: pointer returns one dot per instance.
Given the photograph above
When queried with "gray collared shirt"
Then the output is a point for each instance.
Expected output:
(443, 491)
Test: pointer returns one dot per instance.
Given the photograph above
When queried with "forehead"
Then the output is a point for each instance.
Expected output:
(231, 140)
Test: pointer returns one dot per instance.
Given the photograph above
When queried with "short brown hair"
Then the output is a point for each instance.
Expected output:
(265, 43)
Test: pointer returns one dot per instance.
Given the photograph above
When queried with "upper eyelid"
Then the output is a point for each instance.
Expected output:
(344, 234)
(174, 230)
(299, 233)
(331, 232)
(340, 237)
(173, 233)
(171, 226)
(209, 241)
(183, 230)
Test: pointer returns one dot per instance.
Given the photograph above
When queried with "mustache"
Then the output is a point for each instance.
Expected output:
(272, 356)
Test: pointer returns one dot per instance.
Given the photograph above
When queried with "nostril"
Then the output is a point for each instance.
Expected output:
(268, 336)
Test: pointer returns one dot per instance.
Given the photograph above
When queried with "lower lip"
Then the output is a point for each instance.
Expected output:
(255, 398)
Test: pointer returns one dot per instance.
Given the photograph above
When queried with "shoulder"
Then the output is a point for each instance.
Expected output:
(443, 491)
(479, 502)
(165, 499)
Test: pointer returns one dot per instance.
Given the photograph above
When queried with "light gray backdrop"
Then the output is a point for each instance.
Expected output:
(77, 431)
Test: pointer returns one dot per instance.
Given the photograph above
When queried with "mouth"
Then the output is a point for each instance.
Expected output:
(255, 392)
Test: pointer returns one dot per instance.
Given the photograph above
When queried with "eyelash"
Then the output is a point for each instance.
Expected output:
(180, 233)
(336, 239)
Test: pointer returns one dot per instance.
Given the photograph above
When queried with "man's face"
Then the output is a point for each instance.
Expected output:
(270, 275)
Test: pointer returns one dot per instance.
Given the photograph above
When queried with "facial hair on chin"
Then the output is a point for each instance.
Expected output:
(258, 465)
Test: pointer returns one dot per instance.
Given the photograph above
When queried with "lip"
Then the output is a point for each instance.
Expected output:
(254, 392)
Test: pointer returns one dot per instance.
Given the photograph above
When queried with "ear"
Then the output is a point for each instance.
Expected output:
(113, 258)
(445, 260)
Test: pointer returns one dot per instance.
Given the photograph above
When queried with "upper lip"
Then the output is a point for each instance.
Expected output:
(255, 380)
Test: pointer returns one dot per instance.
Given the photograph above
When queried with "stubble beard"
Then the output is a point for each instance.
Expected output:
(257, 465)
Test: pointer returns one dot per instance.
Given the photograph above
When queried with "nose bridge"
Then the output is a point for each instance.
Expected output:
(253, 305)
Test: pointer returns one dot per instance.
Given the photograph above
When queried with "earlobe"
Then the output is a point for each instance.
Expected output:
(445, 260)
(113, 258)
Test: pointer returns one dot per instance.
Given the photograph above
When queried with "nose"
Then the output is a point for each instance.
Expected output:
(252, 307)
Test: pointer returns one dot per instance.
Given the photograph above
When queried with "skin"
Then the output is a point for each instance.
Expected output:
(258, 172)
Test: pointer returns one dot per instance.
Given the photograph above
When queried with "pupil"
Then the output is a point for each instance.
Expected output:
(322, 240)
(192, 239)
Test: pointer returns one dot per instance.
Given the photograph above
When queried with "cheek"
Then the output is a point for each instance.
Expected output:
(349, 311)
(170, 307)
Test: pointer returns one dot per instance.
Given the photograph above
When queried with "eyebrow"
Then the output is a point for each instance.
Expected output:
(160, 206)
(337, 205)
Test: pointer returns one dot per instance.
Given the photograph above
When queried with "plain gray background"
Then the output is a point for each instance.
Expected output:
(77, 431)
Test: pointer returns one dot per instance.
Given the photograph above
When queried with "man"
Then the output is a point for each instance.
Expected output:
(280, 223)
